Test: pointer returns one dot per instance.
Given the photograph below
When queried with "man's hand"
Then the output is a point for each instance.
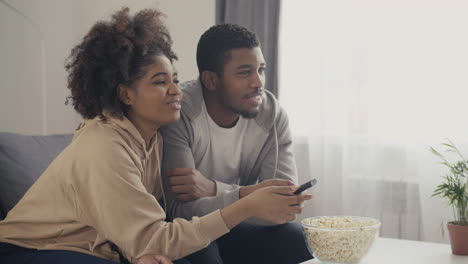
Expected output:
(189, 184)
(154, 259)
(244, 191)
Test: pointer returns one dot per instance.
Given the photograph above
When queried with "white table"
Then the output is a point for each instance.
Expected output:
(396, 251)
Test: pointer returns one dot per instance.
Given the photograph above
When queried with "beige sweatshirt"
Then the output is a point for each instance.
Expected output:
(99, 192)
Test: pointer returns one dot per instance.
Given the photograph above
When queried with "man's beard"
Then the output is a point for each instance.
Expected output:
(244, 114)
(225, 99)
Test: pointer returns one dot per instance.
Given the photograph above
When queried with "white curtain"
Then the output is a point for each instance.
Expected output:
(369, 85)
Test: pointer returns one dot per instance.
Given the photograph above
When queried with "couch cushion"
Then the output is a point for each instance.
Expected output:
(22, 160)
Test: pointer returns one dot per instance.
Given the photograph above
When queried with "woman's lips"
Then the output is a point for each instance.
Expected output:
(174, 104)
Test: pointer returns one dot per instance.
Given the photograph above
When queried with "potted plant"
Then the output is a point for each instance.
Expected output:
(454, 188)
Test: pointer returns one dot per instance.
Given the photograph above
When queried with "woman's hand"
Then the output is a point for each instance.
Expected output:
(277, 204)
(154, 259)
(246, 190)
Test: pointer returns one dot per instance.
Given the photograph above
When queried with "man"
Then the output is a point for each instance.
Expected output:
(232, 139)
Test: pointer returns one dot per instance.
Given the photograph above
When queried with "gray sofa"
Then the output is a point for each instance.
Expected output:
(22, 160)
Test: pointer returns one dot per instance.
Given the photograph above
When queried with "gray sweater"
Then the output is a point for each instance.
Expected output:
(266, 152)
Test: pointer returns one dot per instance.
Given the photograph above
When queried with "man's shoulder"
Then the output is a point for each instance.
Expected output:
(192, 99)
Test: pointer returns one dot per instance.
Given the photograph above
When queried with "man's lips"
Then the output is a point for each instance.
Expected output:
(253, 95)
(254, 99)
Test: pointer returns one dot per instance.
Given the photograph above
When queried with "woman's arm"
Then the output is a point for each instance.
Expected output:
(110, 196)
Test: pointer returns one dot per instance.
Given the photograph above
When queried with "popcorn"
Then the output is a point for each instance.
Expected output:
(340, 239)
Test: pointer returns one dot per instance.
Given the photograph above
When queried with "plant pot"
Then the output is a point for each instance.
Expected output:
(458, 238)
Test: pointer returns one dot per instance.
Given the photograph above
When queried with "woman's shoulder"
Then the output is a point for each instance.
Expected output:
(97, 132)
(100, 136)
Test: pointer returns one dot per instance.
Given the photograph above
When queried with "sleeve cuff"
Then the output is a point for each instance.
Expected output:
(212, 226)
(231, 197)
(223, 187)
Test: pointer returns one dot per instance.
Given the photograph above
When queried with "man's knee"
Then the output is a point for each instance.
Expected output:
(265, 244)
(291, 240)
(289, 229)
(208, 255)
(182, 261)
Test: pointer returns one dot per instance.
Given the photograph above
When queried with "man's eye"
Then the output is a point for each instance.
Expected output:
(176, 81)
(261, 70)
(159, 82)
(244, 73)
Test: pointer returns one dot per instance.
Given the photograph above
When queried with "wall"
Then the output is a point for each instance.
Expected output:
(33, 49)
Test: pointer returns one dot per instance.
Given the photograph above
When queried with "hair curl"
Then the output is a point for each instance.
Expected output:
(113, 53)
(214, 45)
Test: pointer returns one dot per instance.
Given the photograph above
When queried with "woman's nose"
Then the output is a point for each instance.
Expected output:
(174, 89)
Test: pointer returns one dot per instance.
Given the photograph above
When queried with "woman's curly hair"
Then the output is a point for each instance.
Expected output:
(114, 53)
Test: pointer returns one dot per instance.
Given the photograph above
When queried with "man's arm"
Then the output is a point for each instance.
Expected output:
(178, 140)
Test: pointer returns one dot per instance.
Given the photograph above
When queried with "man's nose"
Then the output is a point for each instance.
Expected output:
(258, 80)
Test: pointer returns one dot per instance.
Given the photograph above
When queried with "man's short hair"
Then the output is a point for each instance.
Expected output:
(214, 45)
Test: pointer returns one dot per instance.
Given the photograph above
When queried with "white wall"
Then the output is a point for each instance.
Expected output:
(33, 52)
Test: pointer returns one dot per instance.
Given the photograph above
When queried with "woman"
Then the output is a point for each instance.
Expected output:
(96, 202)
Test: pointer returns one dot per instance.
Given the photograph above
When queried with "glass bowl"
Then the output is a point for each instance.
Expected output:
(340, 239)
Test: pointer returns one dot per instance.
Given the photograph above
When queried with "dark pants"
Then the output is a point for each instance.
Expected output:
(282, 244)
(10, 254)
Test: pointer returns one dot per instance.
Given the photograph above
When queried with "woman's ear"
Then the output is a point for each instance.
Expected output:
(210, 80)
(124, 94)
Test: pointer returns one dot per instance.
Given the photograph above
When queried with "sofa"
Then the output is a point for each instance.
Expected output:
(22, 160)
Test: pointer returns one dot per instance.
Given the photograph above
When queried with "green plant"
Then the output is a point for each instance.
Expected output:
(455, 184)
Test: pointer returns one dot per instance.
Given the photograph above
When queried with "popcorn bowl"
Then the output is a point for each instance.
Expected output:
(340, 239)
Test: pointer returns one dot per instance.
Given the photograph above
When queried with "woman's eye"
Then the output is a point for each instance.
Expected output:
(176, 81)
(159, 82)
(261, 70)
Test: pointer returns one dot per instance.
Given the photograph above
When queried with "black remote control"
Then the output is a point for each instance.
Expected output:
(306, 186)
